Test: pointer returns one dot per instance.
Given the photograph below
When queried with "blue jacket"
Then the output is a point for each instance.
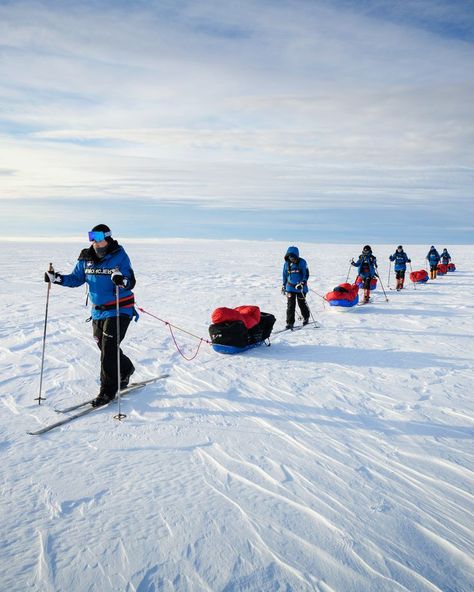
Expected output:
(401, 260)
(433, 257)
(445, 257)
(367, 265)
(97, 274)
(295, 273)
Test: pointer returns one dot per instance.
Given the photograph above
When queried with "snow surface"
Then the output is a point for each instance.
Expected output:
(338, 459)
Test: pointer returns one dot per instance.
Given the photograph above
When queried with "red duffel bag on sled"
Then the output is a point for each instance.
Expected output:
(442, 269)
(360, 282)
(344, 295)
(419, 277)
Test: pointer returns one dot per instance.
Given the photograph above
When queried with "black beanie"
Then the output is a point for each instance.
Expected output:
(102, 228)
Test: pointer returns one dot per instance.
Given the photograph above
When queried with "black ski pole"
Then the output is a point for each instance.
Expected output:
(306, 302)
(39, 398)
(349, 272)
(385, 293)
(411, 271)
(119, 415)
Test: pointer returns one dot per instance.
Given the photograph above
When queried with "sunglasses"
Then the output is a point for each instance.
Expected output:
(98, 235)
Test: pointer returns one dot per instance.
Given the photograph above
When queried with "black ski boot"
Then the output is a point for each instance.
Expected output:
(126, 379)
(305, 322)
(102, 399)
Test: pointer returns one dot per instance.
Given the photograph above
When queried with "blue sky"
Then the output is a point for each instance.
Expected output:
(326, 120)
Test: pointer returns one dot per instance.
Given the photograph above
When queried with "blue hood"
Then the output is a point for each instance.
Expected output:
(292, 251)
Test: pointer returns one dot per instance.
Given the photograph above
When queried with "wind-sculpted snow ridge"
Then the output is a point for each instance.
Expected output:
(338, 459)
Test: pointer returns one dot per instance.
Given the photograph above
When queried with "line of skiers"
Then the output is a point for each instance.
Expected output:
(434, 258)
(106, 269)
(296, 274)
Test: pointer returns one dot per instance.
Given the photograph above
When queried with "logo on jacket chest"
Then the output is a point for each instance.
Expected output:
(95, 271)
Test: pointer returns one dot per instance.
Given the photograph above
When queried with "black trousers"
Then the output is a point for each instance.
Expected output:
(400, 275)
(105, 334)
(366, 282)
(291, 306)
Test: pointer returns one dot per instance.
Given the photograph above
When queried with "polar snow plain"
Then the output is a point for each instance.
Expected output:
(338, 459)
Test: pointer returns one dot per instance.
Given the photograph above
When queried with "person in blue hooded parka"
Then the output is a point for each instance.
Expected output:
(367, 269)
(445, 257)
(295, 286)
(103, 266)
(401, 259)
(433, 259)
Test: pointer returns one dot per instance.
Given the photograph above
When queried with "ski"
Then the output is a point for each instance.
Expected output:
(66, 420)
(313, 324)
(130, 387)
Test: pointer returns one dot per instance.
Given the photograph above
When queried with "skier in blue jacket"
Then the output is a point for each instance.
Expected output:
(103, 266)
(433, 259)
(367, 269)
(295, 286)
(445, 257)
(401, 259)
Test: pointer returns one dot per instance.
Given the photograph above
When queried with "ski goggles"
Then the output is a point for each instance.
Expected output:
(98, 235)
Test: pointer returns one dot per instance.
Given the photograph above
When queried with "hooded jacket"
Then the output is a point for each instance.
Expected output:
(366, 264)
(433, 257)
(445, 257)
(295, 273)
(401, 260)
(97, 274)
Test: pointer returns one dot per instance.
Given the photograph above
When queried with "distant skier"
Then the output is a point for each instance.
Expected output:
(367, 269)
(103, 266)
(295, 286)
(445, 257)
(433, 259)
(401, 259)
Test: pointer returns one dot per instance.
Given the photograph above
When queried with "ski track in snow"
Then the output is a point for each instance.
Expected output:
(338, 459)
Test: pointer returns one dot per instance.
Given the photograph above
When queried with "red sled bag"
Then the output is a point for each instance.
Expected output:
(419, 277)
(250, 315)
(442, 269)
(360, 282)
(345, 295)
(225, 315)
(451, 267)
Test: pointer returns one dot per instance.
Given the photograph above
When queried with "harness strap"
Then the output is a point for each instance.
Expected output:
(290, 271)
(125, 302)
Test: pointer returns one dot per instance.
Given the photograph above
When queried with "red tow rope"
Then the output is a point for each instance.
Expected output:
(170, 327)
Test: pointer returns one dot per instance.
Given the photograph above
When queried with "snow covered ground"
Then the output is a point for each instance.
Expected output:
(338, 459)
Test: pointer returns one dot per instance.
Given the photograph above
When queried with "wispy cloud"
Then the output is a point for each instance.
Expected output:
(252, 103)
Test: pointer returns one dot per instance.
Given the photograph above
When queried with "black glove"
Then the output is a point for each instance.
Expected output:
(283, 289)
(408, 260)
(52, 277)
(118, 278)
